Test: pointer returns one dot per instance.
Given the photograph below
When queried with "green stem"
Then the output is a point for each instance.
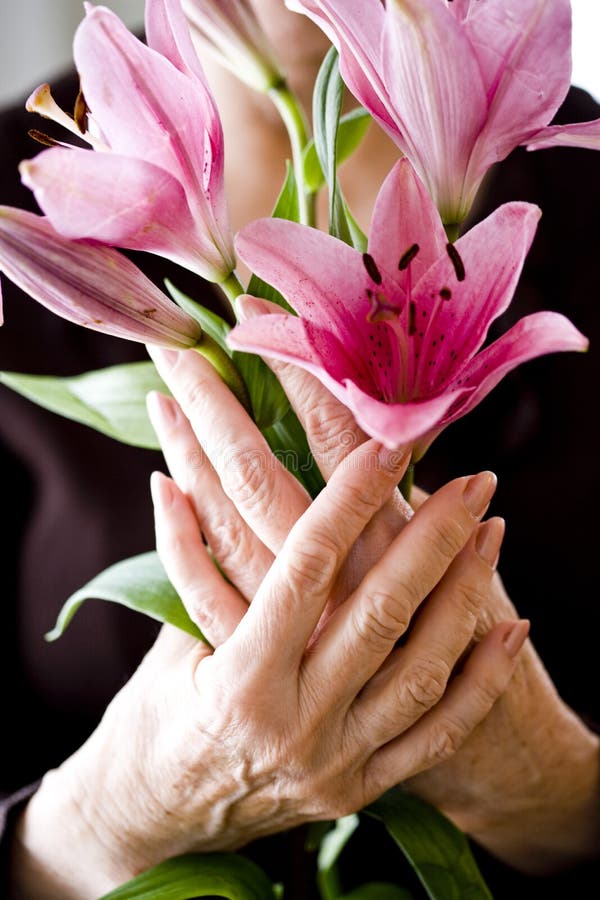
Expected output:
(232, 287)
(293, 117)
(328, 882)
(219, 359)
(407, 482)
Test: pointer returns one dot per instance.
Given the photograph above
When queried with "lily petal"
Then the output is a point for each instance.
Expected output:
(90, 204)
(577, 134)
(438, 96)
(453, 316)
(91, 285)
(532, 336)
(398, 424)
(168, 33)
(356, 33)
(523, 48)
(152, 111)
(322, 277)
(405, 215)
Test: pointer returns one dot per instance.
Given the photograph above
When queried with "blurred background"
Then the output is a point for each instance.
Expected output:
(36, 35)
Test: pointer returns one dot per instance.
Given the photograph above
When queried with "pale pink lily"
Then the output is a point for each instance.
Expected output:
(91, 285)
(230, 30)
(155, 179)
(457, 84)
(396, 334)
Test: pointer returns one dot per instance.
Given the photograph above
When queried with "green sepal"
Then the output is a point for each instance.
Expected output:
(212, 323)
(352, 129)
(139, 583)
(228, 875)
(111, 400)
(438, 852)
(267, 397)
(286, 207)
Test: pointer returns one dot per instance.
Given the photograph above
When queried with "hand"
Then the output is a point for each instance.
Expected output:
(205, 751)
(525, 783)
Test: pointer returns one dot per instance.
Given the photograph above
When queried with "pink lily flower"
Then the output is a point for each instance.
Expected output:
(91, 285)
(230, 30)
(457, 84)
(155, 179)
(396, 334)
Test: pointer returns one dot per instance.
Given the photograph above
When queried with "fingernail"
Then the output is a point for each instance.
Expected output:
(488, 540)
(514, 636)
(164, 409)
(163, 357)
(162, 491)
(479, 491)
(248, 307)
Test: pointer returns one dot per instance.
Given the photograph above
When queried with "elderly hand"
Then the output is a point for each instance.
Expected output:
(525, 782)
(207, 750)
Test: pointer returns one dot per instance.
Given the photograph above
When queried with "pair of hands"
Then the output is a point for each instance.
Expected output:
(307, 709)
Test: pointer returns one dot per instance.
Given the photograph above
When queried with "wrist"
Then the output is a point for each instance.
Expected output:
(56, 850)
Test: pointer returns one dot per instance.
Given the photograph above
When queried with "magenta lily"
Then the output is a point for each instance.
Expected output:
(395, 334)
(155, 180)
(91, 285)
(457, 84)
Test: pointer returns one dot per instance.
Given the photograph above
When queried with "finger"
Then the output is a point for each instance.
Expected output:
(415, 677)
(267, 496)
(213, 604)
(363, 632)
(242, 557)
(291, 599)
(443, 730)
(330, 427)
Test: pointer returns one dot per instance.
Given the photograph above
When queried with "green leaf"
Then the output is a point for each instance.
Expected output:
(285, 208)
(269, 401)
(287, 439)
(186, 877)
(439, 852)
(352, 129)
(212, 323)
(141, 584)
(327, 104)
(378, 890)
(111, 400)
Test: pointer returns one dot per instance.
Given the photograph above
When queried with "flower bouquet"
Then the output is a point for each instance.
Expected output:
(393, 323)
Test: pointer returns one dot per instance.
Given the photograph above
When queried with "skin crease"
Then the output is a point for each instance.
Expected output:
(530, 755)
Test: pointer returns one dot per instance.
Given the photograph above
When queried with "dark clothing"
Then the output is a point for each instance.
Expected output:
(75, 501)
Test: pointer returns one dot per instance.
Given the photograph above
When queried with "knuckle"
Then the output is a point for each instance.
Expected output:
(446, 538)
(445, 740)
(357, 502)
(424, 684)
(487, 691)
(313, 563)
(331, 429)
(193, 389)
(381, 619)
(470, 597)
(245, 478)
(228, 540)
